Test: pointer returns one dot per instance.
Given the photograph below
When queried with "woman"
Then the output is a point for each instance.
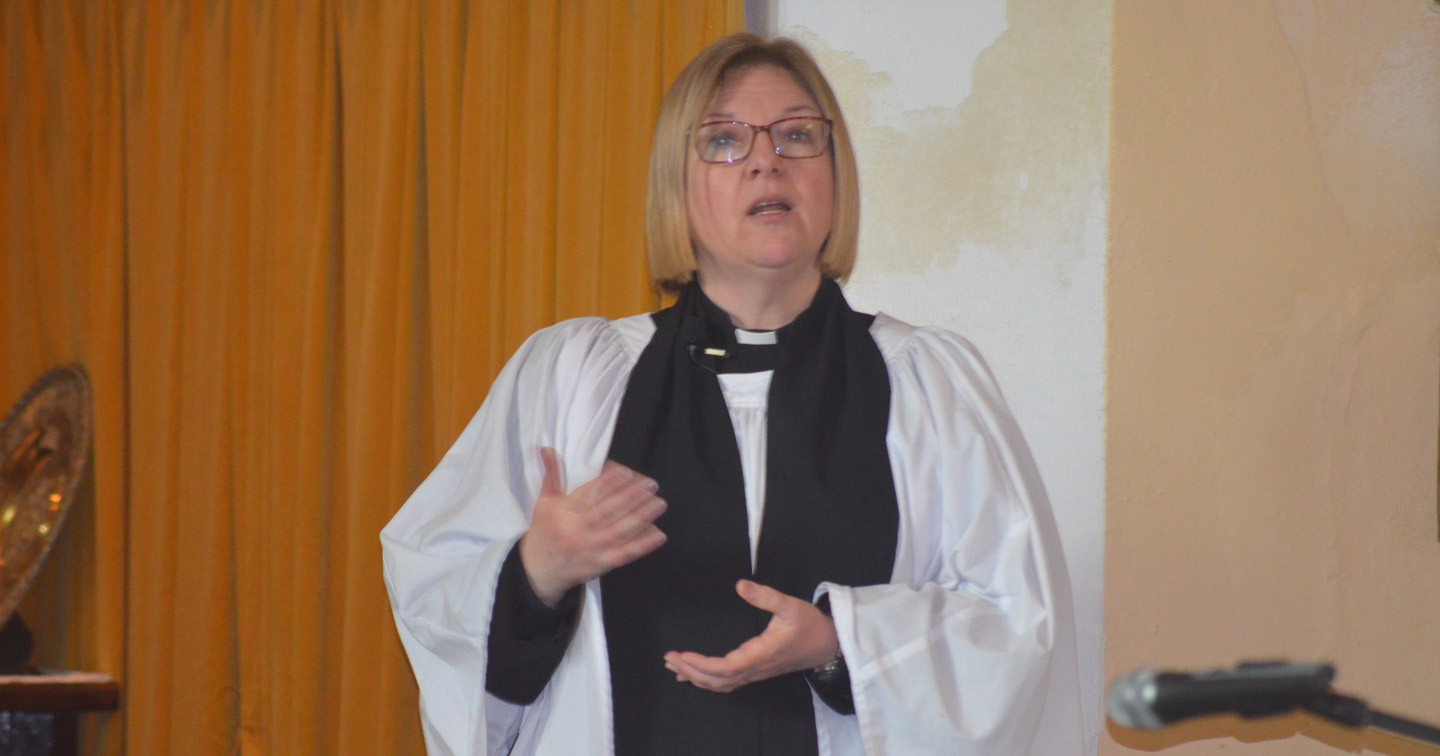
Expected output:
(786, 528)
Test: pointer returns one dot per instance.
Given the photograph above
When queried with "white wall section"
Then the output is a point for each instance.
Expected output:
(981, 131)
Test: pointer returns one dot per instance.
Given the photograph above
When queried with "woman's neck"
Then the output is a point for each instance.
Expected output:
(762, 305)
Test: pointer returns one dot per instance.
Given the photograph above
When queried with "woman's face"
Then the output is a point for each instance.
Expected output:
(766, 214)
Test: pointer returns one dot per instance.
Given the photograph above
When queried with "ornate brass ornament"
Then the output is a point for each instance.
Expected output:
(44, 447)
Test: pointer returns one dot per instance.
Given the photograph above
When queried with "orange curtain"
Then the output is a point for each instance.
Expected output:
(293, 243)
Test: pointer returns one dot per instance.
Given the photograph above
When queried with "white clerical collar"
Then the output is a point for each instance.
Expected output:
(743, 336)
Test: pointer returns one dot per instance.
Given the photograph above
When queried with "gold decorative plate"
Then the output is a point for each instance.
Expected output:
(44, 447)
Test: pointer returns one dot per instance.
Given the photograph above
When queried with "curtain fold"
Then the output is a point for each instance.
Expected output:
(293, 243)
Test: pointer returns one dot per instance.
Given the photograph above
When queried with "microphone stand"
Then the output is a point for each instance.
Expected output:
(1356, 714)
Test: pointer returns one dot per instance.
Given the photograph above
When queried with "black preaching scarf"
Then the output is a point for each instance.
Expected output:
(830, 515)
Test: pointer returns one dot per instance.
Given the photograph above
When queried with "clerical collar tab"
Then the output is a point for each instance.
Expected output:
(743, 336)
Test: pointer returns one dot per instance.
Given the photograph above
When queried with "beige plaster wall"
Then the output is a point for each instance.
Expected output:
(1273, 312)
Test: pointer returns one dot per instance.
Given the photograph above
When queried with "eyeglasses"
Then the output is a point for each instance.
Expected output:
(731, 141)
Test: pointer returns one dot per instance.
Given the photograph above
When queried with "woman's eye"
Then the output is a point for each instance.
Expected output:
(797, 134)
(723, 139)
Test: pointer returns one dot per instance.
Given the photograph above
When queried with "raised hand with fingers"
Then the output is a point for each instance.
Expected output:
(799, 637)
(603, 524)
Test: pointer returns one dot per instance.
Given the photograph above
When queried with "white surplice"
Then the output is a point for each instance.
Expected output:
(968, 651)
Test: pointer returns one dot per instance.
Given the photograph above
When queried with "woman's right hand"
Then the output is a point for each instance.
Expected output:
(576, 537)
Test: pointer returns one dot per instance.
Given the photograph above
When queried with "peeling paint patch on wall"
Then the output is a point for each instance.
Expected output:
(930, 48)
(994, 170)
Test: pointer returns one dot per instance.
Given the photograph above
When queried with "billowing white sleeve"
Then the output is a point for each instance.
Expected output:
(970, 649)
(444, 548)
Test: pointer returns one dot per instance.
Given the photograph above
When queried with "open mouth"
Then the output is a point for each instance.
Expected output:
(770, 207)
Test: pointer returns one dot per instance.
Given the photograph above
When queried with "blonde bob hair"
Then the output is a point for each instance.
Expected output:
(667, 223)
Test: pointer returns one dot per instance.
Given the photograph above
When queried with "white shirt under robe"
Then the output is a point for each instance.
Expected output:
(969, 651)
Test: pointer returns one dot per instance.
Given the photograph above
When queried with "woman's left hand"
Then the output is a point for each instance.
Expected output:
(799, 637)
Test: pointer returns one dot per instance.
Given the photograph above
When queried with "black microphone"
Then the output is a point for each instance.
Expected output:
(1149, 700)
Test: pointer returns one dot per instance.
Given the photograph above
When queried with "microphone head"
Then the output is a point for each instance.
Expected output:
(1131, 701)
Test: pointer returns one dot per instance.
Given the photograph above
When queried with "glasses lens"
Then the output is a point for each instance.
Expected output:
(723, 142)
(802, 137)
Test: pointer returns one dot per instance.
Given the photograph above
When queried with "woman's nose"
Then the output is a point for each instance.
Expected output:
(762, 154)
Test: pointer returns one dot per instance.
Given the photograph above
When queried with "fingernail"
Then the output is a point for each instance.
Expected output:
(650, 485)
